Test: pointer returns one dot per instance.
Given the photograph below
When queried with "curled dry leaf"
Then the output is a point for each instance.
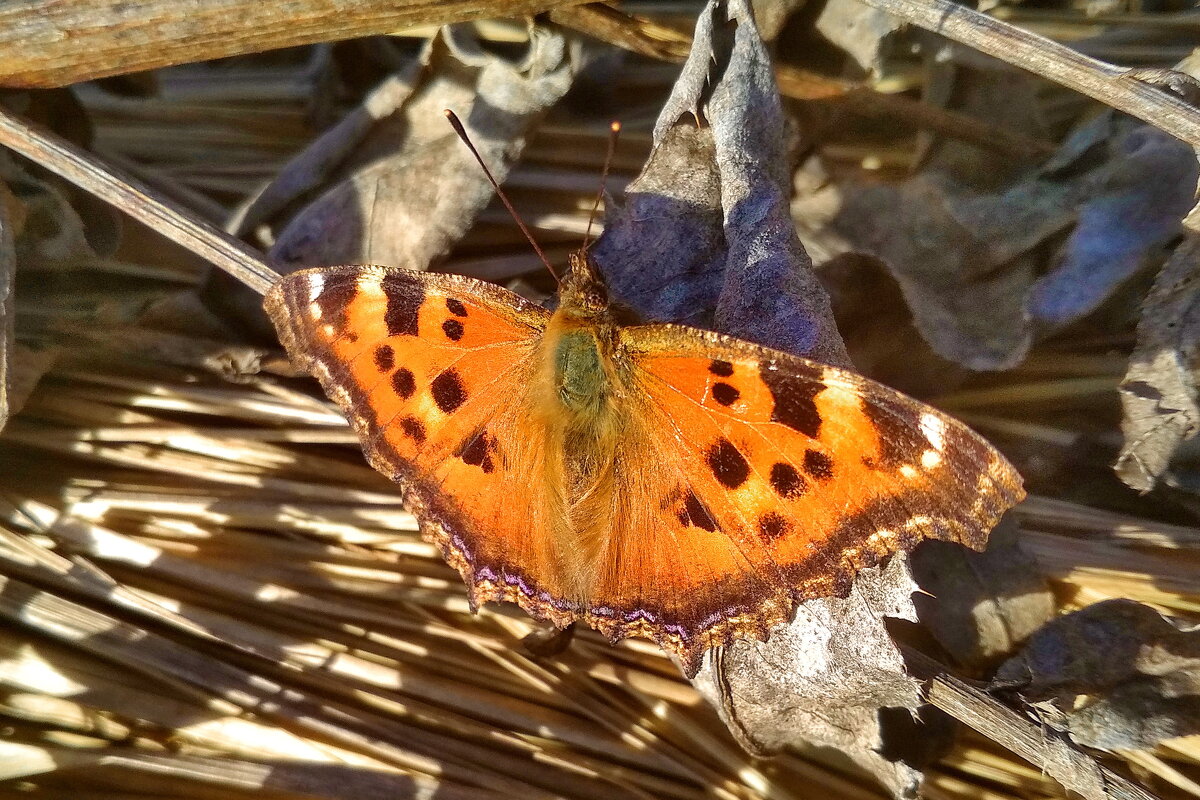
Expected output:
(1158, 394)
(1135, 204)
(966, 261)
(705, 236)
(1159, 402)
(1115, 675)
(369, 182)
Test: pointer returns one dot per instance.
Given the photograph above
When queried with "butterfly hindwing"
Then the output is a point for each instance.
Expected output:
(429, 369)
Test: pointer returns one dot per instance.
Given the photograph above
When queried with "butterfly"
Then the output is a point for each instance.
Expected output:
(651, 480)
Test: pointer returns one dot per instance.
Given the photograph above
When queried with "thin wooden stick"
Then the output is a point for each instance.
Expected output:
(137, 200)
(1004, 726)
(1115, 86)
(53, 44)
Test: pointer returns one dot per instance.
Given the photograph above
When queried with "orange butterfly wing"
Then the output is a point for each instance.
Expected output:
(747, 480)
(769, 479)
(430, 370)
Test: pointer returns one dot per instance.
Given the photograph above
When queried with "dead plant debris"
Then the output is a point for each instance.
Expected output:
(206, 591)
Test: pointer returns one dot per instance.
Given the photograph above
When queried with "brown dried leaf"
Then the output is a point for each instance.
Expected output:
(398, 187)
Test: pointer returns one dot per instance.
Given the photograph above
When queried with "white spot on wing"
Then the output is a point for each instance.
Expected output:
(316, 283)
(934, 429)
(930, 459)
(908, 472)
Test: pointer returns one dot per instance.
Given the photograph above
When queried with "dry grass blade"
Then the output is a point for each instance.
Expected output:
(136, 199)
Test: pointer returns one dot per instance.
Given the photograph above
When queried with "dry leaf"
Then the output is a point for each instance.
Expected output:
(966, 262)
(1135, 205)
(705, 235)
(824, 678)
(1115, 675)
(1158, 394)
(981, 606)
(859, 29)
(401, 187)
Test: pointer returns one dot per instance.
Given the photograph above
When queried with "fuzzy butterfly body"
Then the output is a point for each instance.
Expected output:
(649, 480)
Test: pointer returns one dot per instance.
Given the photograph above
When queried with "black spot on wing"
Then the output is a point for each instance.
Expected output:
(818, 465)
(385, 358)
(898, 428)
(787, 481)
(413, 428)
(727, 464)
(404, 299)
(334, 300)
(453, 329)
(725, 394)
(456, 307)
(448, 391)
(694, 512)
(404, 383)
(794, 394)
(772, 525)
(477, 451)
(719, 367)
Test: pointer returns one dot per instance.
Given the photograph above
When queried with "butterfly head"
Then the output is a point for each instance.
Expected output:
(583, 292)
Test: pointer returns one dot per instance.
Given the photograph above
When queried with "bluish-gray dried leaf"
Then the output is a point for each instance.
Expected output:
(1136, 206)
(705, 235)
(966, 261)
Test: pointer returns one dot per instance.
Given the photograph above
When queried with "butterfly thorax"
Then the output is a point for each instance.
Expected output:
(578, 403)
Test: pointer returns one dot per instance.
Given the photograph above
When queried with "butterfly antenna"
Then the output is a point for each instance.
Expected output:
(462, 134)
(615, 130)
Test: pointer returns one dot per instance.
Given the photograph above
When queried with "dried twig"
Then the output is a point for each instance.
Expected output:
(137, 200)
(54, 44)
(1118, 87)
(1066, 763)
